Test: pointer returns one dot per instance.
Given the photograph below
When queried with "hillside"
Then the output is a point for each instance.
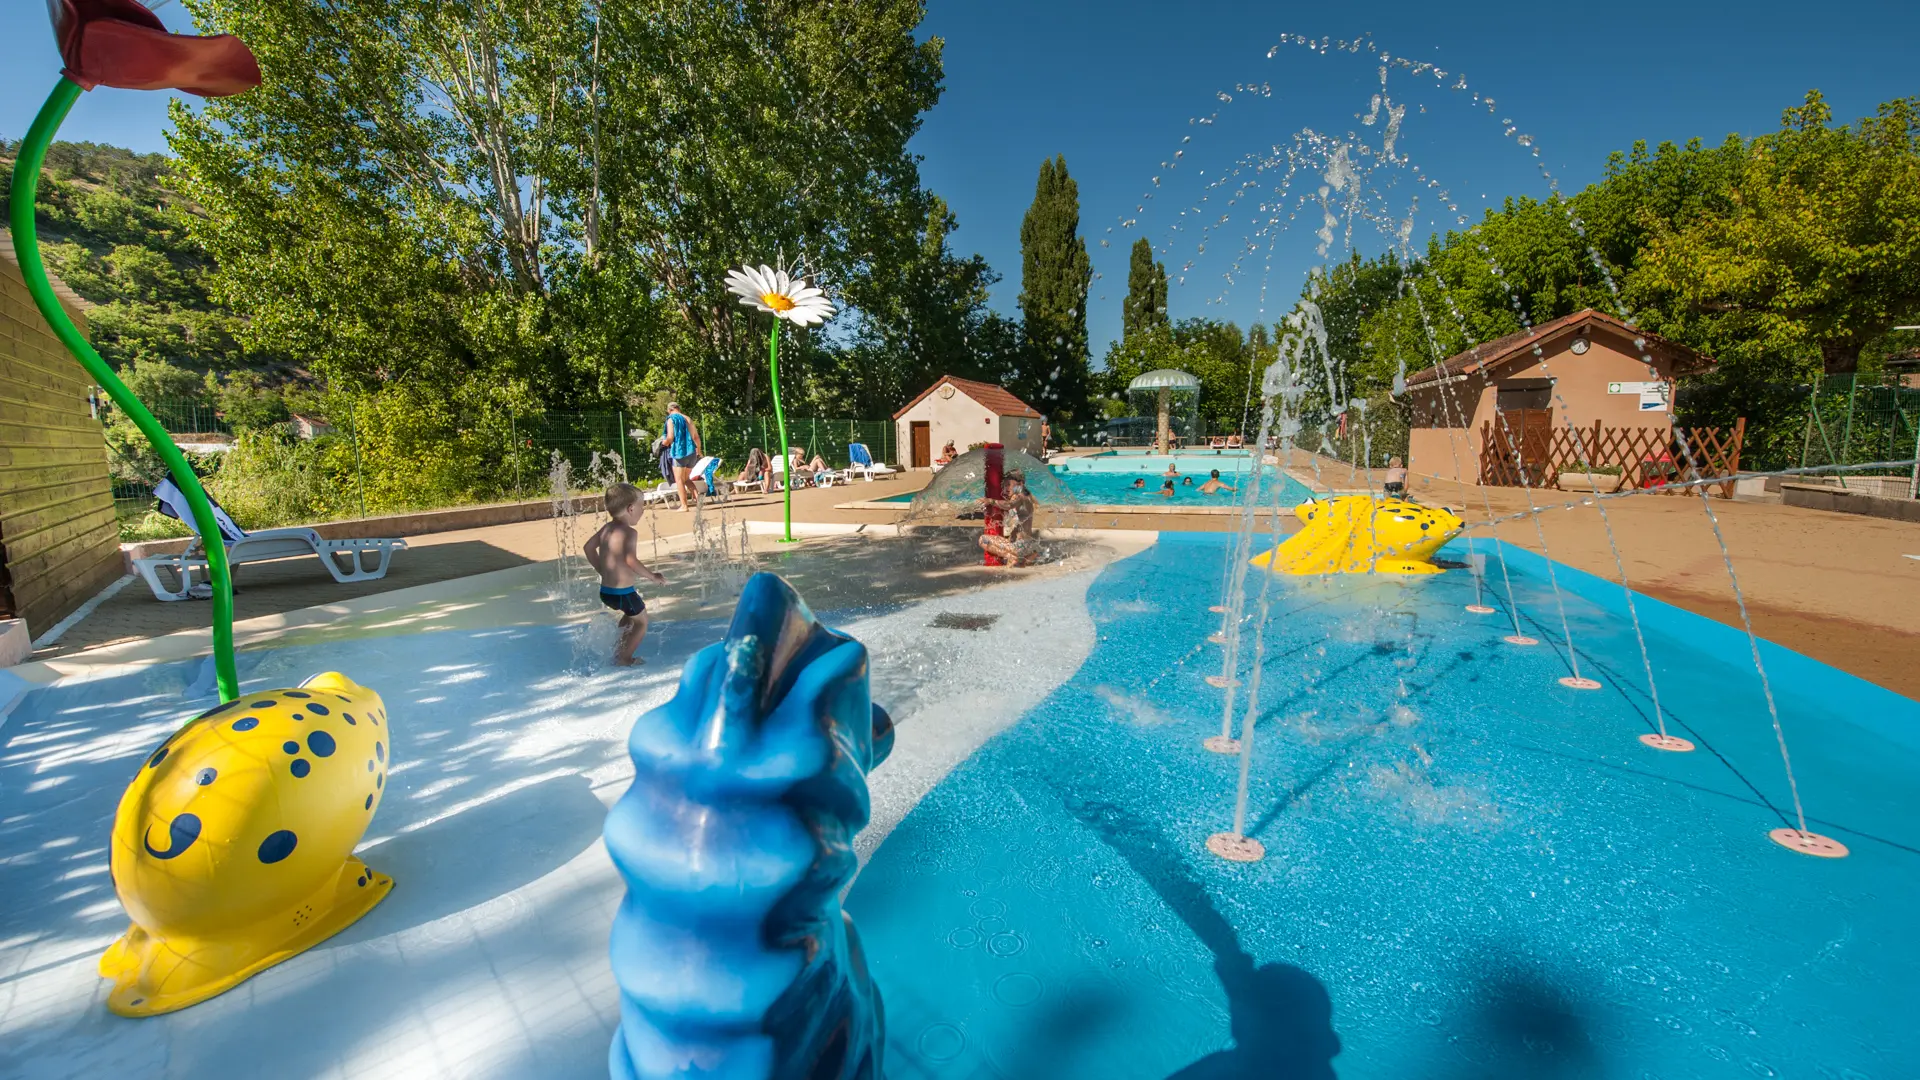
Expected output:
(115, 229)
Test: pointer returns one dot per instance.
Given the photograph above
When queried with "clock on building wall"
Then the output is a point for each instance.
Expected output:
(1579, 346)
(946, 392)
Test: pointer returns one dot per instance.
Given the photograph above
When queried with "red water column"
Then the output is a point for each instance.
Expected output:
(996, 462)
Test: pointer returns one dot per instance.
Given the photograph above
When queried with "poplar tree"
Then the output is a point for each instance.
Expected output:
(1054, 275)
(1146, 305)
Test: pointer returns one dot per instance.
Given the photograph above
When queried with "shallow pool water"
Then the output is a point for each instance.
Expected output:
(1472, 871)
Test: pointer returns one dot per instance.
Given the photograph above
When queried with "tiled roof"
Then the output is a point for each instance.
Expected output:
(1499, 350)
(993, 397)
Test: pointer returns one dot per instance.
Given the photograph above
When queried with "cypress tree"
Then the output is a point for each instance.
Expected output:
(1146, 305)
(1054, 275)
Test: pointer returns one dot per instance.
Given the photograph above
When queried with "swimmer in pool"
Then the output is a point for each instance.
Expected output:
(1166, 489)
(1186, 481)
(1214, 484)
(1139, 482)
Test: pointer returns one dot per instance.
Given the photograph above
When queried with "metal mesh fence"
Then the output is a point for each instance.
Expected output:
(1851, 421)
(527, 443)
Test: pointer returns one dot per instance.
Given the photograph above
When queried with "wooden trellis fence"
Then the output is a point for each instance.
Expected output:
(1520, 453)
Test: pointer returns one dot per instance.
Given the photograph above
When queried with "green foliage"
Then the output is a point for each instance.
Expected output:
(157, 380)
(115, 227)
(1776, 257)
(246, 401)
(1146, 303)
(268, 479)
(1211, 351)
(1054, 275)
(151, 525)
(1812, 247)
(544, 200)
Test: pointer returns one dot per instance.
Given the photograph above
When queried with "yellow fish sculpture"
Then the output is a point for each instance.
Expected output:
(233, 847)
(1359, 534)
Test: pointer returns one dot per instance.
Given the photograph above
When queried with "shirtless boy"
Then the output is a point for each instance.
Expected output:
(614, 552)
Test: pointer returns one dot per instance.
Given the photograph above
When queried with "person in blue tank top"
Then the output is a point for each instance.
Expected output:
(684, 447)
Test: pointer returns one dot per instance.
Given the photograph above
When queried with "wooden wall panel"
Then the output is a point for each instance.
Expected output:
(57, 528)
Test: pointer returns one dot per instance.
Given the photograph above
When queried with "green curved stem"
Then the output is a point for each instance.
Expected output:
(780, 420)
(26, 246)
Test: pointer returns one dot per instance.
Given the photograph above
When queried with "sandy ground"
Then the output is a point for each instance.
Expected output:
(1834, 586)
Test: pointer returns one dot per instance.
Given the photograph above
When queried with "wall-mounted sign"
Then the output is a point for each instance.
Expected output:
(1654, 396)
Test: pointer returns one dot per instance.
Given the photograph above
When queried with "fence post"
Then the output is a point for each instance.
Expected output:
(1846, 433)
(620, 419)
(1733, 465)
(513, 450)
(353, 438)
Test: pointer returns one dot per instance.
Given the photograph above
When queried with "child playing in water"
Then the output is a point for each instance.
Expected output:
(1021, 544)
(1396, 477)
(613, 551)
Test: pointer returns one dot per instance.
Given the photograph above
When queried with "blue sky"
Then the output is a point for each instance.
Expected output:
(1116, 86)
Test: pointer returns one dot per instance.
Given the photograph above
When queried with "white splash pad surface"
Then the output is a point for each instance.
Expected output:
(489, 958)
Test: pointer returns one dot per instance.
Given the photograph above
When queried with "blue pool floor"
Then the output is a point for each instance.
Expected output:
(1472, 871)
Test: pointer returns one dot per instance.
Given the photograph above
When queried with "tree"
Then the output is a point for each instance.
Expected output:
(1054, 275)
(114, 227)
(536, 204)
(1146, 303)
(923, 311)
(1815, 246)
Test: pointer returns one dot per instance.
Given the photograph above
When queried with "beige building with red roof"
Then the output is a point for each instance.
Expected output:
(964, 413)
(1580, 370)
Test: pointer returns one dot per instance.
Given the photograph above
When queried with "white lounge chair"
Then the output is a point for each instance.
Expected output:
(775, 466)
(245, 547)
(344, 559)
(703, 473)
(863, 463)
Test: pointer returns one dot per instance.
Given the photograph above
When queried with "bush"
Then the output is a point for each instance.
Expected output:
(268, 480)
(151, 525)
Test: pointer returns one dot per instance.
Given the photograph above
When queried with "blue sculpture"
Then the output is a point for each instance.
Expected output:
(733, 956)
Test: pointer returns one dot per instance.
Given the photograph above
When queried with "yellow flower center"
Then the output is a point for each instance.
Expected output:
(777, 302)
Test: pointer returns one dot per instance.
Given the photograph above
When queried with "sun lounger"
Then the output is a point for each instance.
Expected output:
(1234, 442)
(862, 462)
(704, 472)
(346, 560)
(1217, 443)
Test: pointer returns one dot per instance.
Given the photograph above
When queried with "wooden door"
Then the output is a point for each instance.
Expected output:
(922, 444)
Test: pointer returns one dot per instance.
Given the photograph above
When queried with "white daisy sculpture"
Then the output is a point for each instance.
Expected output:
(789, 298)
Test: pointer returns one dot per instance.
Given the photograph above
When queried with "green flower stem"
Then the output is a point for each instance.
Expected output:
(26, 246)
(780, 419)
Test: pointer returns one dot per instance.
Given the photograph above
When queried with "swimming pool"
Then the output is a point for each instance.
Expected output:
(1472, 872)
(1108, 481)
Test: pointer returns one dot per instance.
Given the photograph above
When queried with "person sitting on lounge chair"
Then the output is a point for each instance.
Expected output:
(758, 469)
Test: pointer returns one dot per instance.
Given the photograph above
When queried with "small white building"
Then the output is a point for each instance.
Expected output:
(964, 413)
